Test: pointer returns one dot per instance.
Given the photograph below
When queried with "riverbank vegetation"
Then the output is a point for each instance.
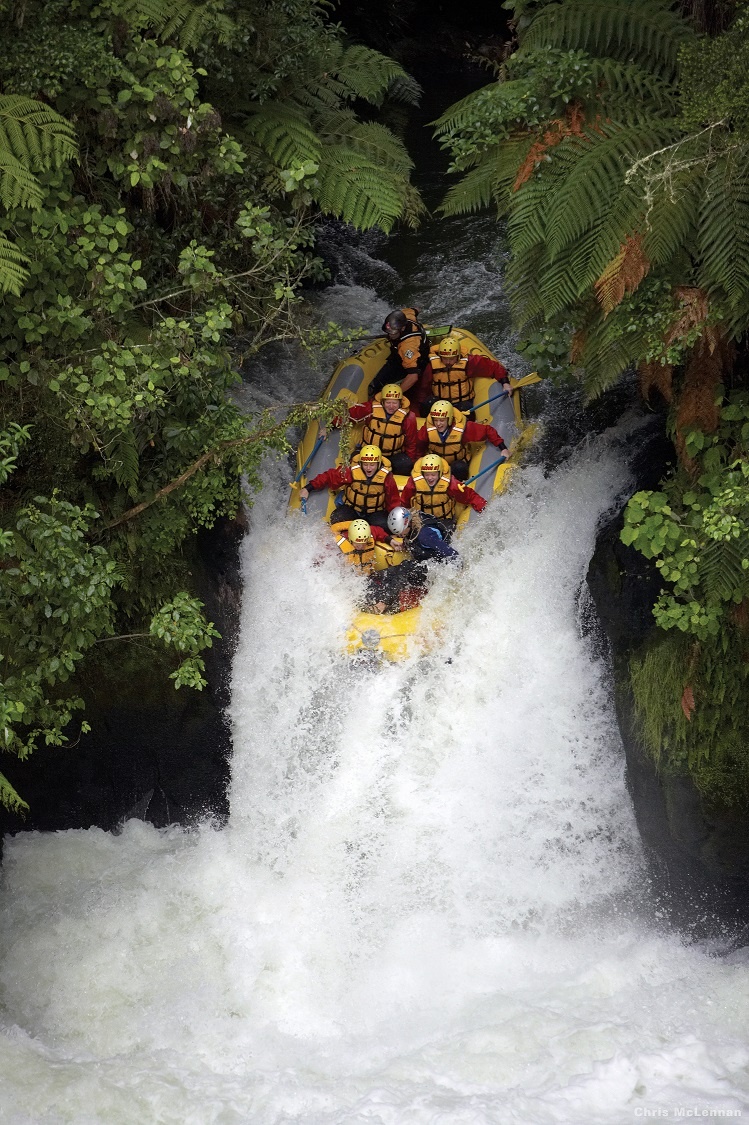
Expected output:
(161, 167)
(614, 142)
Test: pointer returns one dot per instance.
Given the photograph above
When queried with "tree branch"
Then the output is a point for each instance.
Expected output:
(190, 471)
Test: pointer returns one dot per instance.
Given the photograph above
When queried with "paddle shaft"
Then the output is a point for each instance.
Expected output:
(488, 469)
(494, 398)
(301, 472)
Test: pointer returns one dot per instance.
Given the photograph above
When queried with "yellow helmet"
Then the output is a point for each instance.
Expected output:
(443, 409)
(392, 390)
(370, 455)
(449, 347)
(359, 533)
(432, 462)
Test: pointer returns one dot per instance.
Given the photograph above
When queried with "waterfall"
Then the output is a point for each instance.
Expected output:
(429, 906)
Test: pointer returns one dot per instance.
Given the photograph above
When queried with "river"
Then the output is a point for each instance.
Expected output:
(429, 906)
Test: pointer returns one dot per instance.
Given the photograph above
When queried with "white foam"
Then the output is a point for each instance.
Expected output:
(427, 905)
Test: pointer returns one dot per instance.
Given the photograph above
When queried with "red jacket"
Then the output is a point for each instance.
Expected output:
(477, 367)
(474, 431)
(461, 493)
(363, 410)
(340, 475)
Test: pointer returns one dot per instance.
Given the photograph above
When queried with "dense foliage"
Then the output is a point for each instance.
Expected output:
(161, 164)
(614, 142)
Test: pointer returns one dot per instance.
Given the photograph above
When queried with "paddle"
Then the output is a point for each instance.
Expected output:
(488, 469)
(526, 381)
(300, 474)
(494, 398)
(438, 333)
(315, 448)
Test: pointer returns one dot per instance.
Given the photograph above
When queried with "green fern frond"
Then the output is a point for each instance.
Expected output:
(523, 287)
(671, 217)
(284, 131)
(527, 216)
(124, 464)
(10, 799)
(187, 23)
(594, 171)
(630, 88)
(608, 352)
(405, 89)
(371, 139)
(359, 191)
(18, 186)
(474, 191)
(413, 210)
(12, 267)
(478, 103)
(365, 73)
(37, 136)
(646, 32)
(724, 228)
(320, 97)
(721, 568)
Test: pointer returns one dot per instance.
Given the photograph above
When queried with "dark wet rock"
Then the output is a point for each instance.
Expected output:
(699, 856)
(154, 753)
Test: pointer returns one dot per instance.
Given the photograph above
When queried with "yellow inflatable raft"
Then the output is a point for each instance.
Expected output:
(396, 636)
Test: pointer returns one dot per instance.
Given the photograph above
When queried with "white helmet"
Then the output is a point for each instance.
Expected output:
(399, 520)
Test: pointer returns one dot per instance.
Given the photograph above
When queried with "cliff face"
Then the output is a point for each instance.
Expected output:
(699, 855)
(154, 753)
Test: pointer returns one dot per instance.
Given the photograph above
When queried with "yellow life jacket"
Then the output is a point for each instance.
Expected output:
(452, 449)
(366, 494)
(388, 554)
(363, 560)
(452, 385)
(433, 501)
(386, 430)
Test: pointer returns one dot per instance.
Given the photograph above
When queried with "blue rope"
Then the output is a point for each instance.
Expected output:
(488, 469)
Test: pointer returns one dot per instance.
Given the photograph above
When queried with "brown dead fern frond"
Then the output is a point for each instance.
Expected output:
(697, 407)
(577, 346)
(571, 125)
(623, 274)
(659, 376)
(693, 310)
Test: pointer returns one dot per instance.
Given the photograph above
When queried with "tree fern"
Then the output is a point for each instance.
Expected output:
(33, 138)
(363, 168)
(283, 130)
(37, 136)
(185, 22)
(476, 189)
(12, 267)
(364, 73)
(724, 228)
(462, 115)
(670, 217)
(607, 353)
(647, 32)
(358, 190)
(594, 171)
(721, 569)
(369, 138)
(626, 89)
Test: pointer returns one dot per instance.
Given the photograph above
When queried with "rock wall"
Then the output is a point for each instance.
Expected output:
(699, 856)
(154, 753)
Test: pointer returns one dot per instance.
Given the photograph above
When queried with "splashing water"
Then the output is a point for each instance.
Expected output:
(429, 906)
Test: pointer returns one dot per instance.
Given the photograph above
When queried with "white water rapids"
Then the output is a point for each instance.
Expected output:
(429, 906)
